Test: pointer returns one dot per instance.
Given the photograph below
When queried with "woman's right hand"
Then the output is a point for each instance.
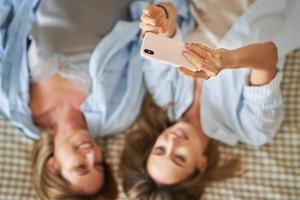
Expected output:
(159, 19)
(209, 61)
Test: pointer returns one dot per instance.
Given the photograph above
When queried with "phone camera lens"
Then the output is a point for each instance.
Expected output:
(148, 51)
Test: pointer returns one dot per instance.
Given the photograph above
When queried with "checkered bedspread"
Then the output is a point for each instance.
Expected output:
(272, 172)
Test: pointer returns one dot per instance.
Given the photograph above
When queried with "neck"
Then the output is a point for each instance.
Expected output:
(67, 117)
(192, 115)
(50, 97)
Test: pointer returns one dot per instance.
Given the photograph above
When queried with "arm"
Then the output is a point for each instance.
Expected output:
(261, 58)
(5, 12)
(260, 113)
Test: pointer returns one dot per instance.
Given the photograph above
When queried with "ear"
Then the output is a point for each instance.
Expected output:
(202, 163)
(53, 165)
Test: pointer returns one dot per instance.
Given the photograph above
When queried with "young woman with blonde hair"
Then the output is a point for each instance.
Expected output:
(71, 71)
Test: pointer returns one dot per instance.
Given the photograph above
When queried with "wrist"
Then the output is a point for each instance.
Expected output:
(171, 15)
(164, 9)
(259, 56)
(228, 58)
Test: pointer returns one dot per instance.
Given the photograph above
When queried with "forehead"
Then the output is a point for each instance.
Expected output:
(164, 171)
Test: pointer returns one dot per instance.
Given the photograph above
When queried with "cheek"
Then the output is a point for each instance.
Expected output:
(193, 152)
(98, 153)
(98, 150)
(65, 155)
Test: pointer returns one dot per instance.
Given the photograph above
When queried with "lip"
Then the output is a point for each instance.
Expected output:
(87, 145)
(180, 134)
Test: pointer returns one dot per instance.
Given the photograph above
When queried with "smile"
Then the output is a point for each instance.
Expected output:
(85, 145)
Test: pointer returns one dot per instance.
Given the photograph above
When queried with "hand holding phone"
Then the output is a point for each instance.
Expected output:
(159, 18)
(167, 50)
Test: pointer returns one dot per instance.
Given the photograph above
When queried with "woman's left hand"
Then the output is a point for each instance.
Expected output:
(209, 61)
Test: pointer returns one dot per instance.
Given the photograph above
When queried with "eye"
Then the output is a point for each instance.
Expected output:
(81, 168)
(180, 158)
(158, 150)
(99, 166)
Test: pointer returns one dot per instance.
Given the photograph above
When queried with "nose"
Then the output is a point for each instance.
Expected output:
(171, 144)
(88, 151)
(94, 154)
(89, 157)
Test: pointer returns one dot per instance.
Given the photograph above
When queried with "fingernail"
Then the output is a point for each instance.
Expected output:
(185, 54)
(188, 45)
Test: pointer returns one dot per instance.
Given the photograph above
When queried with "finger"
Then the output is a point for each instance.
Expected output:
(198, 49)
(201, 64)
(149, 20)
(194, 59)
(206, 48)
(144, 33)
(197, 74)
(150, 28)
(162, 20)
(210, 70)
(209, 55)
(153, 11)
(215, 61)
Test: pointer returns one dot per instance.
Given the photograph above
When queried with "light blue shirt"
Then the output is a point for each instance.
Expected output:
(231, 110)
(116, 69)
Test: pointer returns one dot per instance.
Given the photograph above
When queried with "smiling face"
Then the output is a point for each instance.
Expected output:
(176, 154)
(76, 155)
(79, 160)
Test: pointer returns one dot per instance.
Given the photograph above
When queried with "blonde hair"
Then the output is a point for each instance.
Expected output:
(50, 185)
(138, 184)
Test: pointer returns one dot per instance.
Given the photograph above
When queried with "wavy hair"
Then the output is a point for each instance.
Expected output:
(138, 184)
(50, 185)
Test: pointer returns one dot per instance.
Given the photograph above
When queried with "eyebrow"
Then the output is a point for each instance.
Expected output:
(173, 161)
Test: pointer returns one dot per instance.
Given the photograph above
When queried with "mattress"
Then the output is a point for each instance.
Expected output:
(271, 172)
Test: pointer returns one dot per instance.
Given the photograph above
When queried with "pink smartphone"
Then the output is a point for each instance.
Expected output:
(166, 50)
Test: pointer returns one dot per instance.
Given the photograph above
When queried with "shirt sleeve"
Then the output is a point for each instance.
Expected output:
(267, 20)
(261, 112)
(5, 12)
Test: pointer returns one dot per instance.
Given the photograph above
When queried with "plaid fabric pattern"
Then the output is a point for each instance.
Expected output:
(272, 172)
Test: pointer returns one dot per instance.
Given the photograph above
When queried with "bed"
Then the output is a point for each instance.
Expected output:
(271, 172)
